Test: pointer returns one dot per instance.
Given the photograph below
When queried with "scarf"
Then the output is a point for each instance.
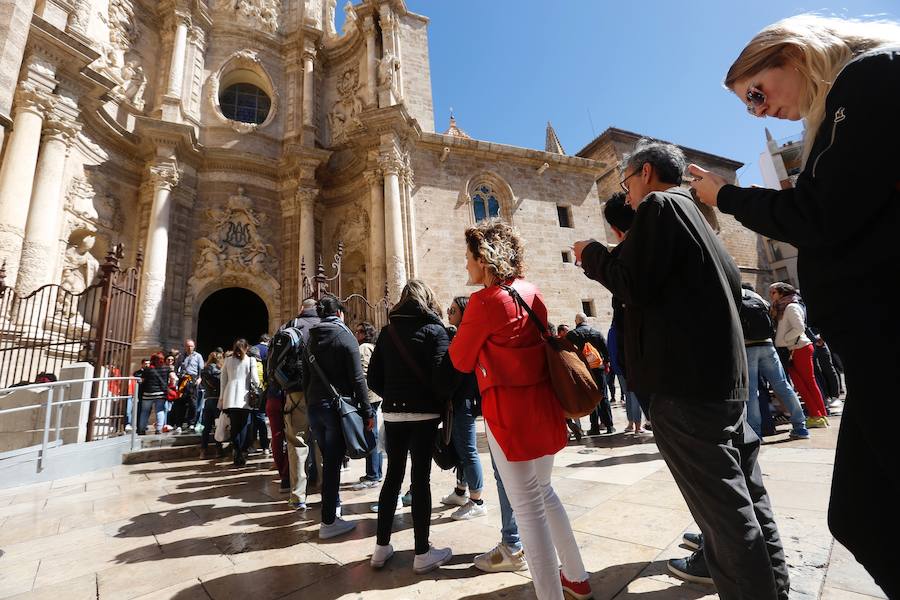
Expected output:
(779, 305)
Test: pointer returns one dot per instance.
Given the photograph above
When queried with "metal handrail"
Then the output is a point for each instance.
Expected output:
(51, 387)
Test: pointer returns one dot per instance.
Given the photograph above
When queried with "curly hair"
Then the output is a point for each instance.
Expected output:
(500, 246)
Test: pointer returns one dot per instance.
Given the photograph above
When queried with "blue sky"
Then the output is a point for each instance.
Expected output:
(653, 67)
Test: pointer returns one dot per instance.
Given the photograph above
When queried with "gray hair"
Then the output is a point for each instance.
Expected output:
(580, 318)
(667, 159)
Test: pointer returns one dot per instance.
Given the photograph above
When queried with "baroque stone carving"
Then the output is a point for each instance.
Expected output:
(235, 244)
(328, 20)
(349, 18)
(387, 70)
(260, 12)
(80, 16)
(133, 85)
(123, 31)
(79, 270)
(89, 210)
(128, 75)
(344, 115)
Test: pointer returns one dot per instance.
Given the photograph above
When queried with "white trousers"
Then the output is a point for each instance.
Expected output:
(543, 523)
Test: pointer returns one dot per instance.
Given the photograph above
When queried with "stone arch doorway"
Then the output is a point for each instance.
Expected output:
(229, 314)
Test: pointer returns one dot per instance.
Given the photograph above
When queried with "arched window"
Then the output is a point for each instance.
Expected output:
(245, 102)
(484, 203)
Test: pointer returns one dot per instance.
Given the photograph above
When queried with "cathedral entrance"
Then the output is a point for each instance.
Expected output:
(227, 315)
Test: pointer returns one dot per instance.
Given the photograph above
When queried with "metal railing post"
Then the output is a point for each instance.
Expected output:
(135, 412)
(47, 416)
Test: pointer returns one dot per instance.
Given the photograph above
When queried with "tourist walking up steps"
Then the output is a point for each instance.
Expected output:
(336, 352)
(155, 380)
(365, 335)
(238, 372)
(843, 78)
(211, 382)
(466, 408)
(672, 264)
(525, 423)
(405, 371)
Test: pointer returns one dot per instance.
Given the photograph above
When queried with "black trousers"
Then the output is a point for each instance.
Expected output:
(415, 438)
(240, 419)
(865, 488)
(603, 412)
(712, 454)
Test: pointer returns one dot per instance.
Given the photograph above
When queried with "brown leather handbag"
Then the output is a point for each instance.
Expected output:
(570, 376)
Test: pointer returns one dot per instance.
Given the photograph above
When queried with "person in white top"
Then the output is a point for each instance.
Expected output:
(238, 371)
(791, 334)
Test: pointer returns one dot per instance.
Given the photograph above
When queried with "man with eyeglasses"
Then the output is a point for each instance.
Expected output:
(684, 355)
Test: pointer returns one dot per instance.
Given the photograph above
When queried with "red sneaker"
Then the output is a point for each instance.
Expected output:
(580, 590)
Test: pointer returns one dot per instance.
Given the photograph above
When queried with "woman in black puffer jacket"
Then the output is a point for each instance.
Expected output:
(406, 371)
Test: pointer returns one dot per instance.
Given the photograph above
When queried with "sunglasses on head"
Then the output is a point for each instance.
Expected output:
(755, 99)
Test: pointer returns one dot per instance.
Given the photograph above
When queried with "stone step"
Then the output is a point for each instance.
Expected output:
(161, 453)
(169, 440)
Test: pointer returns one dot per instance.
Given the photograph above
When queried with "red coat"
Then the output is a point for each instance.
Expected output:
(497, 340)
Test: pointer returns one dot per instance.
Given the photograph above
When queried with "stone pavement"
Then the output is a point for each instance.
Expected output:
(200, 529)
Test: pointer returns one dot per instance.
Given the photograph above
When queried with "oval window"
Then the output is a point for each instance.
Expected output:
(245, 102)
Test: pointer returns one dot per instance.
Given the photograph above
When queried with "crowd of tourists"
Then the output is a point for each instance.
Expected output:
(715, 363)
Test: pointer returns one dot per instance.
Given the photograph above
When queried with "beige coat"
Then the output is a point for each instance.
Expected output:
(234, 382)
(791, 332)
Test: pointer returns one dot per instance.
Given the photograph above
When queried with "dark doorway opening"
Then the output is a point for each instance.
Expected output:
(227, 315)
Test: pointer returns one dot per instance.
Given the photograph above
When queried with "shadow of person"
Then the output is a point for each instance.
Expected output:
(628, 459)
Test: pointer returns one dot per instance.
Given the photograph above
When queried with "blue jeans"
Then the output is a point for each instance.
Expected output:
(159, 405)
(464, 441)
(509, 529)
(632, 406)
(763, 360)
(325, 425)
(375, 460)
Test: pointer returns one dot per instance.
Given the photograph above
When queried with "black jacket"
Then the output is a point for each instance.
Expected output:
(337, 353)
(843, 213)
(211, 380)
(306, 320)
(390, 375)
(681, 290)
(584, 333)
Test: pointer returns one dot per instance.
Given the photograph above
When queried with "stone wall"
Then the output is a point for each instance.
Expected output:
(443, 211)
(416, 68)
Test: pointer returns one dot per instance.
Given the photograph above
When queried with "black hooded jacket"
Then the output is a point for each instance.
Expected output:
(390, 375)
(337, 353)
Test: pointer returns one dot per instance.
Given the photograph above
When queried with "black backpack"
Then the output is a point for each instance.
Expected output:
(285, 361)
(755, 318)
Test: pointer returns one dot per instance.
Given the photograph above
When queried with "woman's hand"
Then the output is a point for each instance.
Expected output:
(579, 248)
(707, 184)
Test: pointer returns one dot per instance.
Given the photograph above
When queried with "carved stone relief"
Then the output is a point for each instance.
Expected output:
(349, 18)
(344, 115)
(387, 73)
(234, 245)
(79, 270)
(118, 61)
(91, 209)
(328, 20)
(264, 13)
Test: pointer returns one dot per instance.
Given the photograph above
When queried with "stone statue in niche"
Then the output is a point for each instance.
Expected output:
(133, 84)
(235, 244)
(349, 18)
(345, 112)
(79, 270)
(79, 18)
(328, 19)
(260, 12)
(387, 71)
(123, 31)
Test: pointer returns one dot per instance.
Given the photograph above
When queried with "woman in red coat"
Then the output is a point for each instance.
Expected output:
(525, 424)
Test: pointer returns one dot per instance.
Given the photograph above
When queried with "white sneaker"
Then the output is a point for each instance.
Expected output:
(501, 558)
(128, 428)
(469, 510)
(454, 499)
(339, 527)
(374, 507)
(381, 555)
(177, 431)
(431, 560)
(364, 485)
(198, 428)
(337, 511)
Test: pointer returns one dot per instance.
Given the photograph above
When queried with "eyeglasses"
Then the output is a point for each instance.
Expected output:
(755, 99)
(622, 182)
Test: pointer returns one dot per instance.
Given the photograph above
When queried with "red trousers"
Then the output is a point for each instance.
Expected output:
(804, 379)
(274, 407)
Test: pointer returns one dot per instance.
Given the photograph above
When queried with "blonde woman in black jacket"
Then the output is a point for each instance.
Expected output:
(843, 79)
(406, 371)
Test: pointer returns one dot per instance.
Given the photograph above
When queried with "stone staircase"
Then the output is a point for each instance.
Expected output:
(166, 446)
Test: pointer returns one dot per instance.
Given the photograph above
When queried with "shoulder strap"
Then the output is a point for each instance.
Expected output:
(404, 354)
(321, 373)
(534, 318)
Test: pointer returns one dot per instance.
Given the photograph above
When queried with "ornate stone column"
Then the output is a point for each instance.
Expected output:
(195, 65)
(17, 172)
(14, 29)
(163, 176)
(406, 179)
(309, 97)
(371, 63)
(306, 201)
(376, 265)
(40, 247)
(179, 47)
(395, 256)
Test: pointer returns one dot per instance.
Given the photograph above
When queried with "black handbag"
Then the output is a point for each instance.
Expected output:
(253, 397)
(444, 453)
(353, 427)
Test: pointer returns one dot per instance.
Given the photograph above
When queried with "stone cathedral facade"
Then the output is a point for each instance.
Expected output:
(232, 139)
